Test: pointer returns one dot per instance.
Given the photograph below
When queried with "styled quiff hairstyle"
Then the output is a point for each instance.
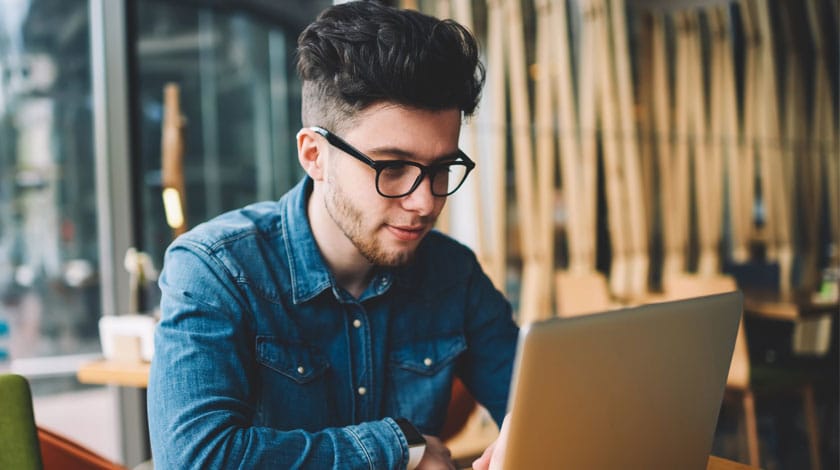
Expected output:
(360, 53)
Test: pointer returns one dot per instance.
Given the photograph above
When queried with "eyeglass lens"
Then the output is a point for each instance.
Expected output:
(399, 179)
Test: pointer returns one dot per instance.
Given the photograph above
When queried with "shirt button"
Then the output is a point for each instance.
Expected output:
(301, 370)
(427, 361)
(362, 390)
(357, 323)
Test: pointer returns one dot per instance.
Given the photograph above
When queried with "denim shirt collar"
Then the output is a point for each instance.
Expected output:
(309, 273)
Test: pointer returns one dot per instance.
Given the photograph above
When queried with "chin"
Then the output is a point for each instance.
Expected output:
(395, 260)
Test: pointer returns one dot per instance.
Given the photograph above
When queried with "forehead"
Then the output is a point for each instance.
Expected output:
(419, 133)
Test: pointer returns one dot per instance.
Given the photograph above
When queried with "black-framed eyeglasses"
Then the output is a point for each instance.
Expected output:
(398, 178)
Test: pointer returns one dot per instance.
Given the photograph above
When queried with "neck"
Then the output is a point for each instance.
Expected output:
(351, 270)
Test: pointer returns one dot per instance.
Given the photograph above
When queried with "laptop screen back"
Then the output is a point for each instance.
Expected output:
(634, 388)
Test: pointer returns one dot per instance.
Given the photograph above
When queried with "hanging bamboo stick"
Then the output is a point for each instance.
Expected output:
(824, 151)
(523, 162)
(705, 180)
(792, 121)
(742, 226)
(832, 132)
(605, 101)
(521, 128)
(678, 213)
(766, 231)
(620, 270)
(661, 117)
(581, 288)
(589, 71)
(544, 224)
(647, 145)
(775, 190)
(724, 114)
(580, 248)
(798, 160)
(496, 87)
(717, 34)
(443, 10)
(463, 14)
(634, 204)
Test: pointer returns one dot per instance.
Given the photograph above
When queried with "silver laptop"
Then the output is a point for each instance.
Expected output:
(638, 388)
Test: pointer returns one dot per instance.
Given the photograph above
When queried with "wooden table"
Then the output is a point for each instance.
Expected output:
(105, 372)
(136, 374)
(717, 463)
(772, 305)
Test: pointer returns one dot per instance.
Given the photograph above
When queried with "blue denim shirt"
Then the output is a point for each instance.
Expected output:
(262, 360)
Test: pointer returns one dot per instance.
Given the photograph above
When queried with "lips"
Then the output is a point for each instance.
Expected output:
(407, 233)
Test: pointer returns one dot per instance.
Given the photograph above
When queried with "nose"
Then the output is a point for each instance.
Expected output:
(421, 200)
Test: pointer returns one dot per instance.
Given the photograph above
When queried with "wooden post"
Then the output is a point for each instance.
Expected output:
(172, 165)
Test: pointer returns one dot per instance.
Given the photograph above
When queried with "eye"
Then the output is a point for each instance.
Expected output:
(397, 171)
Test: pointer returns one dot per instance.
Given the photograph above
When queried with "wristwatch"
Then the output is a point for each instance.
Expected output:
(416, 442)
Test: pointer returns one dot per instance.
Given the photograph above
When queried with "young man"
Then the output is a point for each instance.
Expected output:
(322, 330)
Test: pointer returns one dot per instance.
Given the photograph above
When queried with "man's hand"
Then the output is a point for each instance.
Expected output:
(437, 456)
(494, 456)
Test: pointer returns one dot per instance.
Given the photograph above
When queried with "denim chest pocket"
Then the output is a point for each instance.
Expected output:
(296, 361)
(428, 357)
(294, 389)
(421, 379)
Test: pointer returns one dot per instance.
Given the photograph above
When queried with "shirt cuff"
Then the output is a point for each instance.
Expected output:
(381, 443)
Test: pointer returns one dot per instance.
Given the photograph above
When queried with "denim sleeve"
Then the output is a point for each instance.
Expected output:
(491, 344)
(200, 411)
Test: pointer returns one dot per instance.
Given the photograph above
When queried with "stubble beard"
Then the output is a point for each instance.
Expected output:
(348, 218)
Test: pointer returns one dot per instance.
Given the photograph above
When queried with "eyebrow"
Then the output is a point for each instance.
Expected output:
(406, 155)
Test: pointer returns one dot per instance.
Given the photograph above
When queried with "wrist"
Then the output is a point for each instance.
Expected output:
(416, 442)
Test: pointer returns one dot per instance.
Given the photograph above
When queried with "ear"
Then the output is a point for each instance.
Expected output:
(309, 154)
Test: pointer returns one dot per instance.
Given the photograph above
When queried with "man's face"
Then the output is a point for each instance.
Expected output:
(387, 231)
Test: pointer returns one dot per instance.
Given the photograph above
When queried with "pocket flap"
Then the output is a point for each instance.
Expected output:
(296, 361)
(428, 356)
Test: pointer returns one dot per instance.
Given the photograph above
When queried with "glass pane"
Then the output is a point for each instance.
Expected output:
(49, 291)
(239, 96)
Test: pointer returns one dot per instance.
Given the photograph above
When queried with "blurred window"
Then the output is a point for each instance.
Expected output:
(239, 95)
(49, 287)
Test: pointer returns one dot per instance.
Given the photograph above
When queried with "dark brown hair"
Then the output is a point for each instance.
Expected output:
(360, 53)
